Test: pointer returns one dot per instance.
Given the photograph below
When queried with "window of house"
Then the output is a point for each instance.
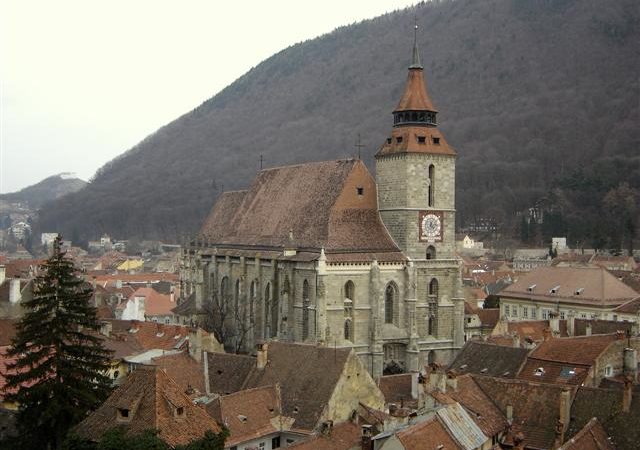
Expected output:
(275, 442)
(261, 445)
(399, 139)
(506, 310)
(116, 374)
(608, 371)
(562, 315)
(388, 140)
(431, 252)
(305, 309)
(389, 303)
(534, 313)
(360, 190)
(525, 312)
(422, 140)
(436, 140)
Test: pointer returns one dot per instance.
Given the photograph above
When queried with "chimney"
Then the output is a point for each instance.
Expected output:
(367, 434)
(262, 355)
(588, 329)
(565, 413)
(571, 324)
(105, 328)
(631, 363)
(14, 291)
(195, 344)
(554, 324)
(393, 409)
(118, 284)
(437, 379)
(452, 380)
(627, 394)
(516, 340)
(546, 333)
(3, 273)
(414, 385)
(510, 414)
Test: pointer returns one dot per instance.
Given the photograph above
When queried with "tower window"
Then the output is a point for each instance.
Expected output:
(436, 140)
(421, 139)
(360, 190)
(399, 139)
(430, 194)
(388, 140)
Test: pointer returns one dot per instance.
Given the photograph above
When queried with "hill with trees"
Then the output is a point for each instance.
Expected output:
(540, 99)
(49, 189)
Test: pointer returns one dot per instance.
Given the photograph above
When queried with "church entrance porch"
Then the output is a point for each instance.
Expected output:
(394, 358)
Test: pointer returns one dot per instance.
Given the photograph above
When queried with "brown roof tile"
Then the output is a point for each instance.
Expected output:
(248, 414)
(596, 286)
(427, 435)
(581, 350)
(489, 359)
(591, 437)
(184, 370)
(312, 206)
(396, 388)
(152, 400)
(553, 372)
(600, 326)
(228, 372)
(343, 436)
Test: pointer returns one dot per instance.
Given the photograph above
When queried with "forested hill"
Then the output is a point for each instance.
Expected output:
(536, 96)
(44, 191)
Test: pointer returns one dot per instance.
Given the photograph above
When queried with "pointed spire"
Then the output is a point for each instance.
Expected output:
(415, 64)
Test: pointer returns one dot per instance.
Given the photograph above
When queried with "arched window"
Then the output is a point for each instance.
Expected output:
(305, 310)
(236, 297)
(431, 325)
(390, 295)
(348, 334)
(432, 185)
(433, 288)
(224, 293)
(267, 308)
(431, 357)
(349, 290)
(431, 252)
(252, 297)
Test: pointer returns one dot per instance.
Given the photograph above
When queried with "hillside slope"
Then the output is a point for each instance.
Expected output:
(45, 191)
(527, 93)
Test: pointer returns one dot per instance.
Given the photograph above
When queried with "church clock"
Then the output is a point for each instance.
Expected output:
(430, 226)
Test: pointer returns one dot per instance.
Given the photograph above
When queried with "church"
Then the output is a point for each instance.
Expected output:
(325, 254)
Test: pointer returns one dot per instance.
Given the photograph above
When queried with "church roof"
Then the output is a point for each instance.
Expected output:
(330, 205)
(415, 97)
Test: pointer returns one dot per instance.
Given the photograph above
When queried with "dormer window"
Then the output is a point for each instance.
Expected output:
(539, 372)
(388, 140)
(579, 291)
(436, 140)
(123, 415)
(555, 289)
(422, 139)
(360, 190)
(180, 411)
(399, 140)
(531, 288)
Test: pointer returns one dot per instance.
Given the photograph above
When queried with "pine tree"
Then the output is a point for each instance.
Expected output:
(60, 364)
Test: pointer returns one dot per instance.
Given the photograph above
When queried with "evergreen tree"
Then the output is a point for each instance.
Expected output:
(60, 366)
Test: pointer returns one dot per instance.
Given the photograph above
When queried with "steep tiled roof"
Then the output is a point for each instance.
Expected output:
(184, 370)
(478, 405)
(153, 400)
(155, 303)
(536, 406)
(150, 335)
(313, 206)
(574, 350)
(606, 406)
(587, 286)
(7, 331)
(600, 326)
(488, 317)
(631, 307)
(489, 359)
(228, 372)
(591, 437)
(343, 436)
(248, 414)
(553, 372)
(307, 375)
(428, 435)
(396, 388)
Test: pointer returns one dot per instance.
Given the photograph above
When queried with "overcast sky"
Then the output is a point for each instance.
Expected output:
(83, 81)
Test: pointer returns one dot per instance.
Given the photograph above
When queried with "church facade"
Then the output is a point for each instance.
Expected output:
(323, 253)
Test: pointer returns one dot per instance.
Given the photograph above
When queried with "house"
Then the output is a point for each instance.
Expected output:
(592, 436)
(148, 304)
(149, 399)
(581, 292)
(342, 436)
(317, 383)
(484, 358)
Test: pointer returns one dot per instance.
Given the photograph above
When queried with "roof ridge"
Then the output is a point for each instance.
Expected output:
(310, 163)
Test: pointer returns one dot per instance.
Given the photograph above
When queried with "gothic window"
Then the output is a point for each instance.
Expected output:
(390, 300)
(305, 310)
(224, 293)
(431, 252)
(236, 297)
(267, 307)
(433, 288)
(252, 297)
(432, 185)
(431, 324)
(348, 333)
(349, 290)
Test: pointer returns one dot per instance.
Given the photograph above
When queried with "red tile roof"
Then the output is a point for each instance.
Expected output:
(312, 206)
(591, 437)
(155, 303)
(427, 435)
(397, 388)
(248, 414)
(581, 350)
(153, 401)
(184, 370)
(343, 436)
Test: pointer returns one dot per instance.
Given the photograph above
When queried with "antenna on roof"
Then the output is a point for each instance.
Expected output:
(261, 160)
(359, 145)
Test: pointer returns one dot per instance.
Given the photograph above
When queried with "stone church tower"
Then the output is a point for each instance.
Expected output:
(322, 253)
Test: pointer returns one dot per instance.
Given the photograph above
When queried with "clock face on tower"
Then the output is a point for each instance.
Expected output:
(430, 226)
